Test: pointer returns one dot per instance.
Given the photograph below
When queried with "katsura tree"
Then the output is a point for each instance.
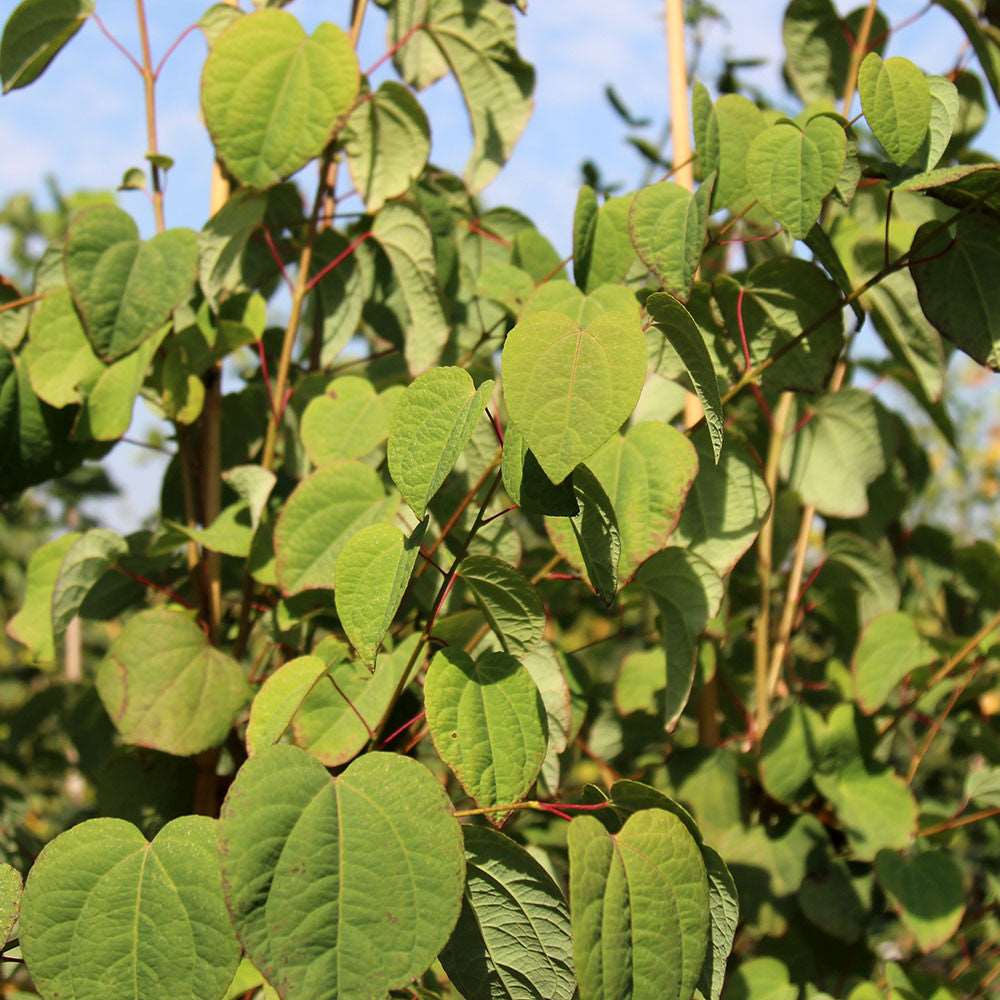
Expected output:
(511, 626)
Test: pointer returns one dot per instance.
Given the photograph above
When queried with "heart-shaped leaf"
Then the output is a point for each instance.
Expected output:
(667, 225)
(896, 100)
(340, 714)
(108, 914)
(279, 698)
(791, 170)
(348, 421)
(508, 600)
(639, 905)
(33, 36)
(387, 140)
(318, 926)
(570, 387)
(165, 687)
(928, 890)
(322, 513)
(82, 566)
(512, 940)
(739, 121)
(526, 483)
(123, 287)
(373, 570)
(272, 95)
(487, 720)
(890, 647)
(431, 425)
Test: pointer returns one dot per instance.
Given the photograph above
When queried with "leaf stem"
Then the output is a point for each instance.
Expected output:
(25, 300)
(954, 824)
(114, 41)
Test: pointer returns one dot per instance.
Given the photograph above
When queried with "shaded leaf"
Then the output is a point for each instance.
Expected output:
(33, 36)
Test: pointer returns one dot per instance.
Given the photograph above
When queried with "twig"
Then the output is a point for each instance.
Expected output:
(172, 48)
(25, 300)
(386, 56)
(114, 41)
(149, 89)
(954, 824)
(857, 54)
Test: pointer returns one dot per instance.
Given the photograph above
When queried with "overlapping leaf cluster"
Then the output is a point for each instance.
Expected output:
(480, 540)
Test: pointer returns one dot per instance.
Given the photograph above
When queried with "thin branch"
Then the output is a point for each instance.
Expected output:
(954, 824)
(857, 54)
(172, 48)
(680, 129)
(149, 89)
(385, 57)
(337, 261)
(114, 41)
(25, 300)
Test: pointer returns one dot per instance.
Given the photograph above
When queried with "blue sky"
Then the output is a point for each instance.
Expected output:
(83, 120)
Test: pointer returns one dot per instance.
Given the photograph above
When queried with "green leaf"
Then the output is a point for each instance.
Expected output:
(254, 484)
(316, 925)
(789, 752)
(791, 170)
(944, 116)
(106, 913)
(430, 426)
(32, 625)
(526, 483)
(33, 36)
(166, 687)
(688, 593)
(782, 297)
(222, 246)
(763, 978)
(512, 940)
(875, 808)
(349, 420)
(58, 355)
(584, 230)
(536, 256)
(373, 571)
(322, 513)
(569, 387)
(667, 226)
(647, 473)
(403, 233)
(957, 291)
(488, 723)
(706, 130)
(231, 533)
(509, 602)
(478, 44)
(10, 900)
(987, 51)
(337, 719)
(387, 140)
(724, 914)
(725, 507)
(272, 95)
(107, 410)
(639, 904)
(641, 680)
(889, 649)
(739, 122)
(831, 900)
(124, 288)
(818, 53)
(338, 300)
(84, 564)
(612, 255)
(896, 100)
(928, 890)
(681, 332)
(279, 698)
(983, 787)
(844, 447)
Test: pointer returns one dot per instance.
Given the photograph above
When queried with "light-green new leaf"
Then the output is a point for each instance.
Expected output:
(896, 100)
(124, 288)
(348, 421)
(387, 140)
(512, 940)
(279, 698)
(322, 929)
(570, 387)
(166, 687)
(272, 95)
(108, 914)
(430, 426)
(791, 169)
(667, 225)
(35, 33)
(10, 900)
(322, 513)
(488, 723)
(373, 570)
(639, 904)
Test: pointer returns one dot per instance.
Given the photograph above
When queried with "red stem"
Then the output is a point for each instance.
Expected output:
(475, 227)
(153, 585)
(172, 49)
(276, 257)
(337, 261)
(402, 729)
(497, 429)
(745, 344)
(114, 41)
(391, 52)
(752, 239)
